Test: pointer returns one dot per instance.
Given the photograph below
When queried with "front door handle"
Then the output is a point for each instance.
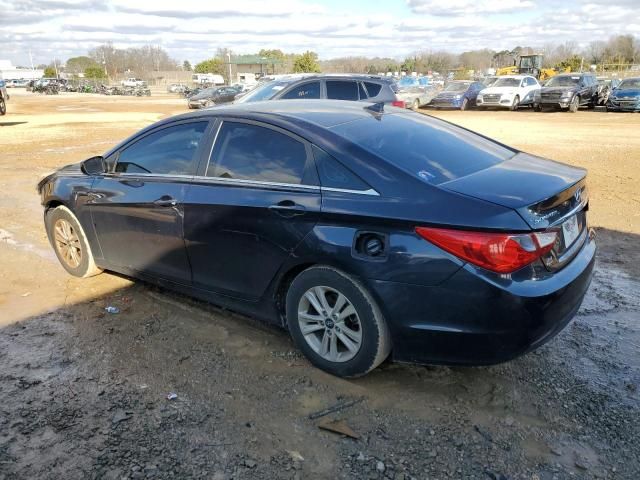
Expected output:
(287, 208)
(166, 201)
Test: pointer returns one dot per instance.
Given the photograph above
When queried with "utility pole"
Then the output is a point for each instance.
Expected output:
(55, 66)
(229, 57)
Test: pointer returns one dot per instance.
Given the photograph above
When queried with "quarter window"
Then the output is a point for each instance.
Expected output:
(342, 90)
(334, 175)
(373, 88)
(170, 151)
(250, 152)
(306, 90)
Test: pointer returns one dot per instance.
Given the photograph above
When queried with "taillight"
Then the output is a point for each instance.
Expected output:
(398, 103)
(498, 252)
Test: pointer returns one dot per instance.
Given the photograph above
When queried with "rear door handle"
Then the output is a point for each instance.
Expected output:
(287, 208)
(166, 201)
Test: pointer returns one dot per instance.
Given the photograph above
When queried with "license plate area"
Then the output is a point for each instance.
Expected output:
(570, 230)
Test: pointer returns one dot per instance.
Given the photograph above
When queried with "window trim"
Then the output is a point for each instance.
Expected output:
(197, 157)
(309, 165)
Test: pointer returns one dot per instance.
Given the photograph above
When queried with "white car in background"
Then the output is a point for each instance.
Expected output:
(509, 91)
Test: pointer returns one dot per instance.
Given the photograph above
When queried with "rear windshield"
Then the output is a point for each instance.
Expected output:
(425, 147)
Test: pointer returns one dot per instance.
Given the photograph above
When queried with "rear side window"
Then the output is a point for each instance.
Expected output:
(373, 88)
(170, 151)
(251, 152)
(306, 90)
(335, 175)
(425, 147)
(342, 90)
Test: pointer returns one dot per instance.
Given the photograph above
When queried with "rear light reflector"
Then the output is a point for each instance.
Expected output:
(398, 103)
(497, 252)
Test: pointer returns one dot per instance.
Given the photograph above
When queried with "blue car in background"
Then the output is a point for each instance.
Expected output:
(626, 96)
(410, 81)
(460, 94)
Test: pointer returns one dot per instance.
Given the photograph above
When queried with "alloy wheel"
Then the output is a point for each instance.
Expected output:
(330, 324)
(67, 243)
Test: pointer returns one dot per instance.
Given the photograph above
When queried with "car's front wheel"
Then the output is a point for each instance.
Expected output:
(336, 323)
(465, 104)
(3, 106)
(416, 104)
(575, 104)
(70, 243)
(515, 104)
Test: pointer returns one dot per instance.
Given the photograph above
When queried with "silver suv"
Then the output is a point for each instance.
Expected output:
(366, 88)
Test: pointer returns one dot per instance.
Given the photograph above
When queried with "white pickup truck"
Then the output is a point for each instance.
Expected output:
(133, 82)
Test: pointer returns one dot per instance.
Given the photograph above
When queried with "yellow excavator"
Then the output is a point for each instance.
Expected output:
(528, 65)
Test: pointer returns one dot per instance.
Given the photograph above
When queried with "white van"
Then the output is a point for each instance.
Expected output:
(207, 78)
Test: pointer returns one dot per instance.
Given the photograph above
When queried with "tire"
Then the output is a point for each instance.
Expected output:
(465, 104)
(3, 106)
(575, 104)
(516, 103)
(415, 105)
(81, 264)
(537, 107)
(373, 342)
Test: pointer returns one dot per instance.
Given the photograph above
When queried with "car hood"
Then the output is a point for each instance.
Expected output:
(202, 96)
(558, 89)
(630, 92)
(450, 94)
(525, 183)
(501, 90)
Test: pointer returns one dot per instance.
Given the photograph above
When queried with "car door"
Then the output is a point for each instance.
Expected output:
(253, 202)
(137, 208)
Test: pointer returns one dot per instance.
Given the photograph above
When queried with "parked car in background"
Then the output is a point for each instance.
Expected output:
(415, 91)
(176, 88)
(605, 87)
(365, 232)
(626, 96)
(212, 96)
(568, 92)
(367, 88)
(133, 82)
(509, 91)
(460, 94)
(4, 96)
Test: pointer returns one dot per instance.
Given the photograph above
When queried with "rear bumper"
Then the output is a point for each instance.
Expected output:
(479, 319)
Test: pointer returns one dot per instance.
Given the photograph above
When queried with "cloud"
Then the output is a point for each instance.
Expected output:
(194, 29)
(453, 8)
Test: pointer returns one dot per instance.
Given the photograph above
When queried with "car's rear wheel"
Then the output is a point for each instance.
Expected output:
(336, 323)
(70, 243)
(3, 106)
(575, 104)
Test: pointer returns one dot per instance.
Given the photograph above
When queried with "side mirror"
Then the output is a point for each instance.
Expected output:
(93, 166)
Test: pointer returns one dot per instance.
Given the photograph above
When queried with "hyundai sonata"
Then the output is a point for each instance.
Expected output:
(365, 230)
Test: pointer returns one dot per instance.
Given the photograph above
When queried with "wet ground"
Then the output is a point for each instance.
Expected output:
(83, 393)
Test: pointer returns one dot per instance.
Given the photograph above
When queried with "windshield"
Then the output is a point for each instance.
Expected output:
(630, 83)
(432, 150)
(562, 81)
(456, 87)
(263, 92)
(507, 82)
(489, 81)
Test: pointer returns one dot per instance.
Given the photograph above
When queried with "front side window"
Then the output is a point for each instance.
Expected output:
(342, 90)
(251, 152)
(170, 151)
(306, 90)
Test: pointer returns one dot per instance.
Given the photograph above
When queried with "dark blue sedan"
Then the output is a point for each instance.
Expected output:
(626, 96)
(362, 229)
(459, 94)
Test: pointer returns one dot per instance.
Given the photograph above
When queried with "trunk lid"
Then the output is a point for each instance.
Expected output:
(548, 195)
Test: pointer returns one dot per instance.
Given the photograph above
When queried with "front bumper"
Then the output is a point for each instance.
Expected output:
(477, 318)
(446, 103)
(623, 105)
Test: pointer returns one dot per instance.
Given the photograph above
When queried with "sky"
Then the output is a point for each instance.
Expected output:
(193, 29)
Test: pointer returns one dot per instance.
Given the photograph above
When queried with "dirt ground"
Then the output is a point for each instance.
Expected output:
(83, 393)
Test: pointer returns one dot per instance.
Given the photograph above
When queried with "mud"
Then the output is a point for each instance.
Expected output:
(83, 393)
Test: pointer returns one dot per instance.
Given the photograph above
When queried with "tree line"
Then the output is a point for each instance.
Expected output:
(107, 61)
